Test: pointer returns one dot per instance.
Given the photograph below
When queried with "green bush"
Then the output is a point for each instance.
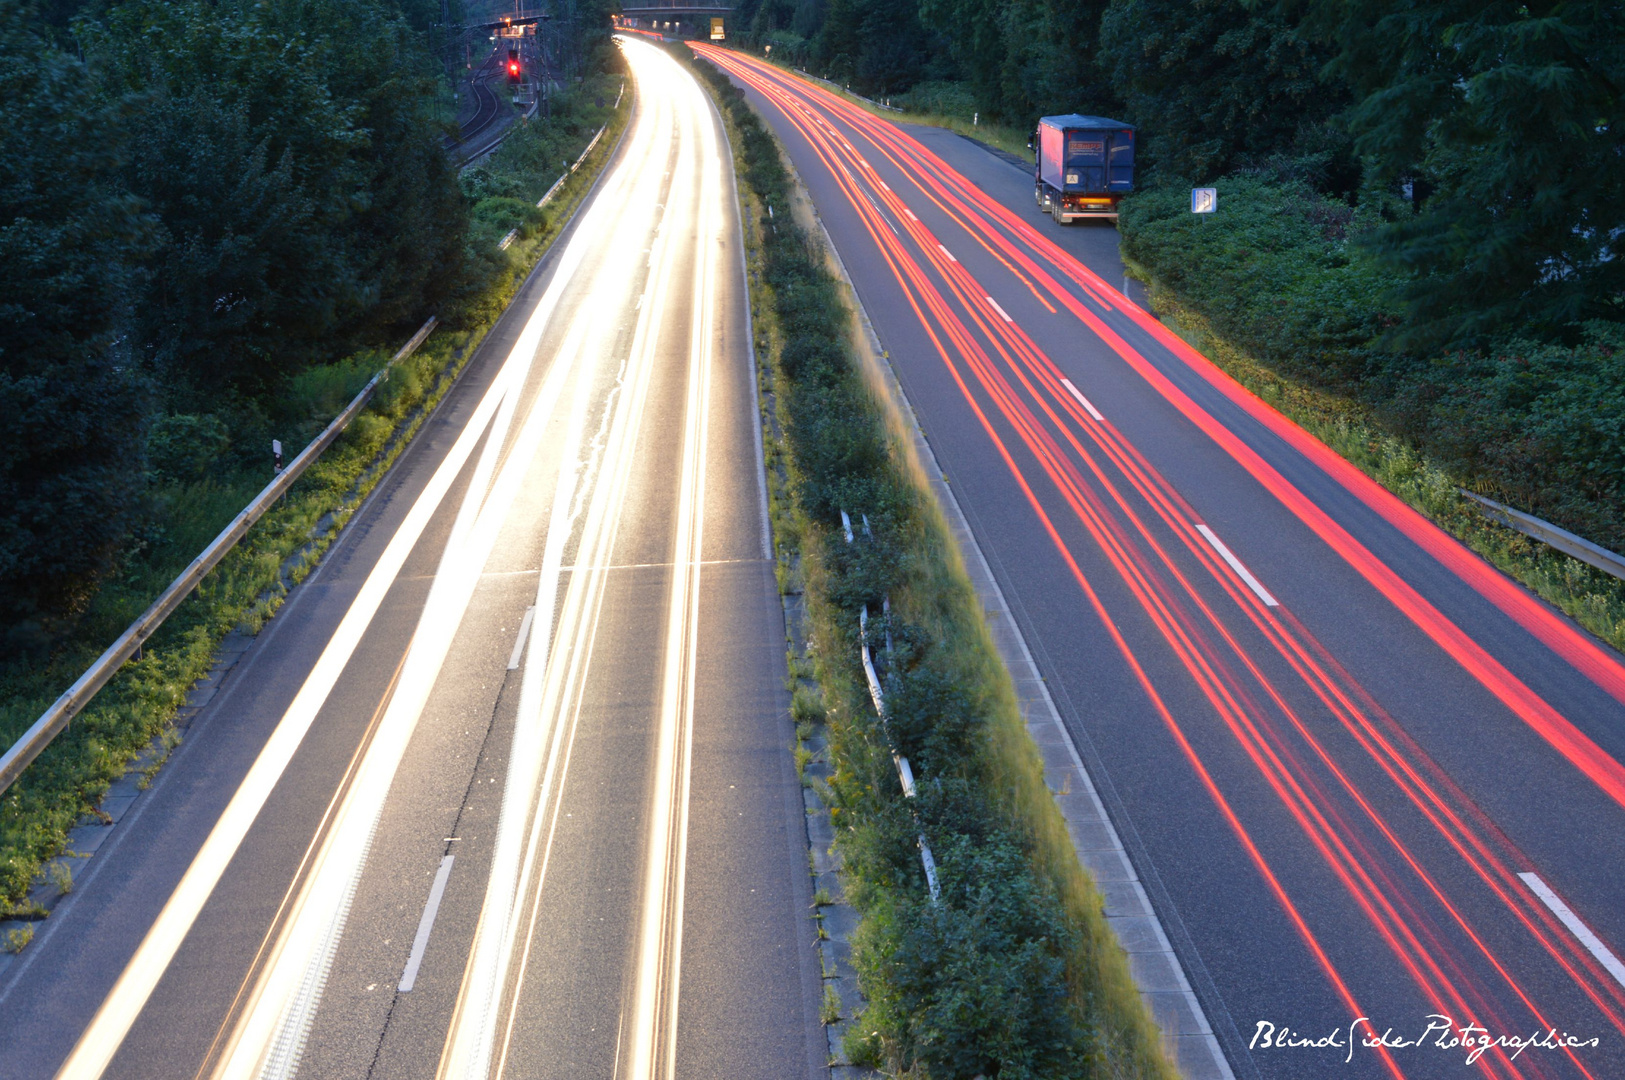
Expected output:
(938, 98)
(1278, 266)
(184, 446)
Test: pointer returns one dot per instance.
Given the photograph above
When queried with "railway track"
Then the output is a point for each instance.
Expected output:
(472, 136)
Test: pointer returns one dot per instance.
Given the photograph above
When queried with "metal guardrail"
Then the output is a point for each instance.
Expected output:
(55, 720)
(833, 85)
(545, 199)
(905, 771)
(513, 234)
(1608, 562)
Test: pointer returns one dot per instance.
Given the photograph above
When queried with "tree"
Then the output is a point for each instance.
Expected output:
(1052, 60)
(288, 154)
(1503, 120)
(880, 45)
(1214, 82)
(73, 402)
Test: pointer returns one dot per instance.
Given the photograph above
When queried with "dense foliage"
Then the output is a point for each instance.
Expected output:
(201, 201)
(1510, 119)
(297, 181)
(72, 397)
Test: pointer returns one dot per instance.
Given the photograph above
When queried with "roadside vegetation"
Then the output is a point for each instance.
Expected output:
(1278, 291)
(1416, 252)
(1013, 972)
(136, 415)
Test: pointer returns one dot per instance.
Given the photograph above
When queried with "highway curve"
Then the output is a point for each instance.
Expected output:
(1368, 780)
(505, 789)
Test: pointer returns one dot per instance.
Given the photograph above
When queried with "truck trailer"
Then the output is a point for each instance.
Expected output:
(1085, 165)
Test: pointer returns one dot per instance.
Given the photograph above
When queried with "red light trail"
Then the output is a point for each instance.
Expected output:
(1211, 652)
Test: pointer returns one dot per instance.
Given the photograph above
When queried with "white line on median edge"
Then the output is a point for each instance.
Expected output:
(1592, 942)
(1085, 402)
(1235, 564)
(519, 642)
(421, 942)
(1002, 313)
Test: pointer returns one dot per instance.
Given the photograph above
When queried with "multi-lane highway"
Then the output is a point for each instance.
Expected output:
(1362, 774)
(505, 789)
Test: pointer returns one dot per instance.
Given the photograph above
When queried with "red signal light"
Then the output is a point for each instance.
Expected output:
(513, 68)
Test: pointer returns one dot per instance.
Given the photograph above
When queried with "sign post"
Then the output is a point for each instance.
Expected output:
(1204, 200)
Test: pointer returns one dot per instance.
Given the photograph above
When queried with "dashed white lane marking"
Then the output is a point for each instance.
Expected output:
(1085, 402)
(882, 183)
(426, 924)
(519, 642)
(1002, 313)
(878, 214)
(1593, 944)
(910, 214)
(1235, 564)
(946, 252)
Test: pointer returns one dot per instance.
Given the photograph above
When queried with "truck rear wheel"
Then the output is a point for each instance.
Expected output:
(1055, 212)
(1043, 203)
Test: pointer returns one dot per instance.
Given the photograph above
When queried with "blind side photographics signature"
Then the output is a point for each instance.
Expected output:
(1439, 1032)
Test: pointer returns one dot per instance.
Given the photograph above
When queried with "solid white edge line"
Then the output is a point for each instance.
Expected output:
(945, 251)
(1592, 942)
(1235, 564)
(1085, 402)
(420, 943)
(1002, 313)
(519, 642)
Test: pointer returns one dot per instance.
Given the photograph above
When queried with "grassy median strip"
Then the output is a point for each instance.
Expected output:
(1014, 973)
(245, 590)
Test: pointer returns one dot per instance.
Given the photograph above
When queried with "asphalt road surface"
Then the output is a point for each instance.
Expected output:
(505, 789)
(1362, 774)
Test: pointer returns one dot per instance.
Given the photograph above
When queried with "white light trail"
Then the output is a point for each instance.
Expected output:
(106, 1032)
(555, 670)
(660, 946)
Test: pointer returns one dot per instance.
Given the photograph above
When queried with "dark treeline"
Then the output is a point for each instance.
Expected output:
(200, 200)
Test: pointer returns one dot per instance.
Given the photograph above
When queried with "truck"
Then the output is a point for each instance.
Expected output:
(1085, 166)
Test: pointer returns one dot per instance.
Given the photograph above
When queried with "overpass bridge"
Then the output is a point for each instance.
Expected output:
(678, 13)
